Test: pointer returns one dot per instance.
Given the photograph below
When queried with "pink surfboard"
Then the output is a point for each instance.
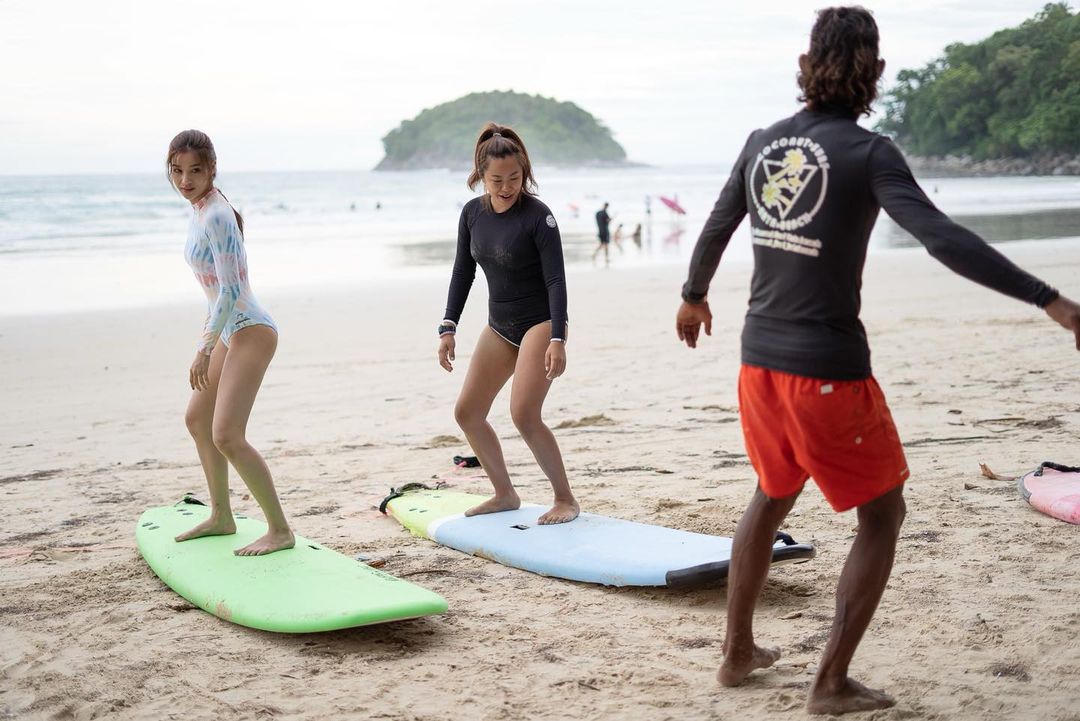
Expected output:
(1053, 489)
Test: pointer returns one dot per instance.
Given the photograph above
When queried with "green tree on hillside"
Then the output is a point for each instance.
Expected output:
(557, 133)
(1017, 93)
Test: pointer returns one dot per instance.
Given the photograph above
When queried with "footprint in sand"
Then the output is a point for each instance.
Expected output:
(598, 419)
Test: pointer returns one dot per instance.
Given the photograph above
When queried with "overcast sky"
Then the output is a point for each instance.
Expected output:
(102, 86)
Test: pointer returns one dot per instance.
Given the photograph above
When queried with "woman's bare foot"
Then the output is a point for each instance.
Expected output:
(272, 541)
(561, 512)
(210, 527)
(496, 504)
(847, 697)
(738, 665)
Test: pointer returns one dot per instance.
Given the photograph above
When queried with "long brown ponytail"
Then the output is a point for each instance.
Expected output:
(197, 141)
(500, 141)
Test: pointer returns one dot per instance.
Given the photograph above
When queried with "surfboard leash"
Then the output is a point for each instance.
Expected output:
(399, 492)
(787, 539)
(1056, 467)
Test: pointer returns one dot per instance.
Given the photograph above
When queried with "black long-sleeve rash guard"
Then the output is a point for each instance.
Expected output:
(813, 185)
(520, 251)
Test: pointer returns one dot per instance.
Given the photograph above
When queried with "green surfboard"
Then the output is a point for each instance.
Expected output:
(300, 590)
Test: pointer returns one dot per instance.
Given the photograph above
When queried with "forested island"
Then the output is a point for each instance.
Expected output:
(1007, 105)
(555, 133)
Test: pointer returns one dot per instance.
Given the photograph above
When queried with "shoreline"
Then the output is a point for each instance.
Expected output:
(964, 166)
(79, 277)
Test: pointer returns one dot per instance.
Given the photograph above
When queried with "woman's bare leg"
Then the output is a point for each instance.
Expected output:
(527, 396)
(249, 355)
(491, 366)
(200, 423)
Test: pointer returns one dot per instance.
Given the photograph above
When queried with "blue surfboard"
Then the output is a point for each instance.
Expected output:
(591, 548)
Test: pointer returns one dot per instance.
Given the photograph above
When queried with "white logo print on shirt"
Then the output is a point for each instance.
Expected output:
(551, 221)
(788, 186)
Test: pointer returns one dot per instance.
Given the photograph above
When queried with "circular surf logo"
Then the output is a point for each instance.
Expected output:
(551, 221)
(789, 182)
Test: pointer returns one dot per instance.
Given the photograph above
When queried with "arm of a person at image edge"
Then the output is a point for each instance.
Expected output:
(690, 318)
(447, 344)
(555, 360)
(1067, 315)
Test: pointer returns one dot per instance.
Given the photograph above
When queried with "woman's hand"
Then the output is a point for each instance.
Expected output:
(689, 320)
(446, 351)
(199, 375)
(555, 360)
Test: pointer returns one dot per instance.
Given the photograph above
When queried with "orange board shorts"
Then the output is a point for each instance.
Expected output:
(840, 433)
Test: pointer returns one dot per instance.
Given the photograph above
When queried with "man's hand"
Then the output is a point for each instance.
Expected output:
(1067, 314)
(689, 320)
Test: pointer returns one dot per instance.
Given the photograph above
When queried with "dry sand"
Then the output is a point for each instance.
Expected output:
(980, 619)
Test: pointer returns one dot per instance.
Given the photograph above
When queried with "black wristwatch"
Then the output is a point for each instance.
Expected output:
(445, 328)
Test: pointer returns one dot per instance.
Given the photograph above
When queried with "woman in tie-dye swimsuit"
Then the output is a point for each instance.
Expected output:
(225, 375)
(215, 252)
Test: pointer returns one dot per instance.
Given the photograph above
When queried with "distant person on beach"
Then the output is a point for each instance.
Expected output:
(603, 232)
(812, 185)
(237, 342)
(636, 235)
(617, 237)
(515, 239)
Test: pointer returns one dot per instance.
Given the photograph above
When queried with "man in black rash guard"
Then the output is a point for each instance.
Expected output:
(812, 185)
(521, 254)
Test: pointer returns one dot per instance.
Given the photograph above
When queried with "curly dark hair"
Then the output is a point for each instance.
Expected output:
(842, 68)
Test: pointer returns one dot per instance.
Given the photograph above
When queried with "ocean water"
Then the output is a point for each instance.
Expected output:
(100, 241)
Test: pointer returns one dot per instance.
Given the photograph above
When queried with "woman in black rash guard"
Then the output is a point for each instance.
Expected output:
(515, 239)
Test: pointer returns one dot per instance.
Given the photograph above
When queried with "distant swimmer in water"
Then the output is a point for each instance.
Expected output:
(515, 239)
(237, 343)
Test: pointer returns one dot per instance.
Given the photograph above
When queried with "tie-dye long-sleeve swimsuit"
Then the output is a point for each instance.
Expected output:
(215, 252)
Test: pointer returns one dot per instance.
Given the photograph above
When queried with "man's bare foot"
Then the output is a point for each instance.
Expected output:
(496, 504)
(210, 527)
(849, 696)
(272, 541)
(738, 665)
(561, 512)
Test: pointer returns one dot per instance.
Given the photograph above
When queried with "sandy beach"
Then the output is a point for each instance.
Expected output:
(979, 621)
